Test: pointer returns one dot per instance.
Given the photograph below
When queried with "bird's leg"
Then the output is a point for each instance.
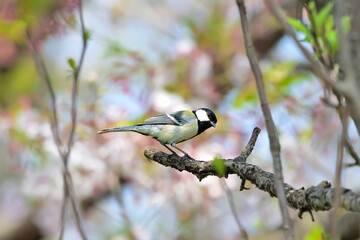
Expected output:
(185, 153)
(170, 149)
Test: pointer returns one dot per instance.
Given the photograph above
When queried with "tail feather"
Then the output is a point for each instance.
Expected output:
(118, 129)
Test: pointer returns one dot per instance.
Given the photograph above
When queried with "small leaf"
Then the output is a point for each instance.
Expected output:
(329, 24)
(333, 40)
(316, 233)
(321, 17)
(300, 27)
(72, 64)
(219, 166)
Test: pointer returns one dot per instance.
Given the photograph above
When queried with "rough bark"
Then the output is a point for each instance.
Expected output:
(318, 198)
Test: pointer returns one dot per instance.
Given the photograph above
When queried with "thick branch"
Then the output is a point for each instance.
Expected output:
(318, 198)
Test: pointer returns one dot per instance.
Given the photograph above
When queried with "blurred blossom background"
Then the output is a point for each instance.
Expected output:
(145, 58)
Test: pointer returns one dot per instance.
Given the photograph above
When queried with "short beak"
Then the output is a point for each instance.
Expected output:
(213, 124)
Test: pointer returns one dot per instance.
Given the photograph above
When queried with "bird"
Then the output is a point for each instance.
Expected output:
(172, 128)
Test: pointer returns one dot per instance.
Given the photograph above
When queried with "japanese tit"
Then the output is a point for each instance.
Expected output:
(173, 128)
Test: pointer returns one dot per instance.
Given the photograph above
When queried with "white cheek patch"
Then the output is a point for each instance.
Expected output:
(202, 116)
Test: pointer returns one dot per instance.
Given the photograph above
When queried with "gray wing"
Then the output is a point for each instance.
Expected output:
(178, 118)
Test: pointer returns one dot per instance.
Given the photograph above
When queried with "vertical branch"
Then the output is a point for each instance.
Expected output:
(74, 92)
(334, 216)
(270, 126)
(351, 84)
(344, 50)
(75, 206)
(63, 208)
(117, 195)
(40, 63)
(69, 192)
(230, 199)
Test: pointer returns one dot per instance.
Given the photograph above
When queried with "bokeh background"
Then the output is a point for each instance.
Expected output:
(145, 58)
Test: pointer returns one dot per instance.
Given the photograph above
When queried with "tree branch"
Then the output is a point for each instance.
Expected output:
(230, 199)
(345, 88)
(318, 198)
(270, 126)
(74, 92)
(64, 151)
(41, 66)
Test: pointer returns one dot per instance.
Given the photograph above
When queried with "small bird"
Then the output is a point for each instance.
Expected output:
(172, 128)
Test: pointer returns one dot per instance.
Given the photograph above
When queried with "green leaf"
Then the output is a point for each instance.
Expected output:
(316, 233)
(333, 40)
(321, 17)
(300, 27)
(330, 39)
(329, 24)
(219, 166)
(72, 64)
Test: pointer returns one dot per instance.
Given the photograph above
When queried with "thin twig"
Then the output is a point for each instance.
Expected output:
(344, 50)
(230, 199)
(69, 192)
(350, 149)
(350, 82)
(74, 96)
(74, 93)
(270, 126)
(45, 74)
(75, 206)
(128, 224)
(63, 213)
(334, 216)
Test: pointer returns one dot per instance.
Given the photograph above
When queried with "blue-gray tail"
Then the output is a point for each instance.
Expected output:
(118, 129)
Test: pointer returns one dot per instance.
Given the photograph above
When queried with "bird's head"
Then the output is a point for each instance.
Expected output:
(206, 118)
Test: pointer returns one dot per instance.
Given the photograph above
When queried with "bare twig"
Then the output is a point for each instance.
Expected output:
(339, 164)
(69, 192)
(350, 149)
(270, 126)
(45, 74)
(75, 206)
(115, 190)
(346, 63)
(344, 50)
(74, 93)
(230, 199)
(64, 207)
